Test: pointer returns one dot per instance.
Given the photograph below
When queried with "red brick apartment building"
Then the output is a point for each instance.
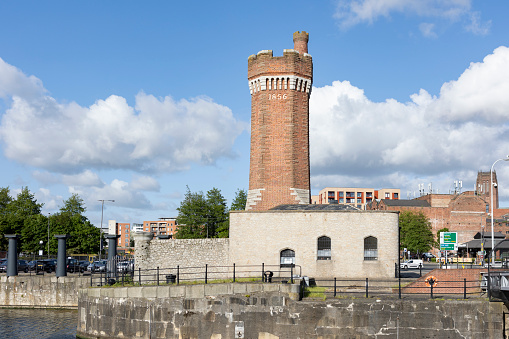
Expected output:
(124, 230)
(467, 213)
(163, 226)
(357, 197)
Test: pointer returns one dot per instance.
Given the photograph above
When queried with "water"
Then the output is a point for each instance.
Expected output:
(38, 324)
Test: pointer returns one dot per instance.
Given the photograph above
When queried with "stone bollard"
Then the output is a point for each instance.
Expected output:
(61, 255)
(12, 255)
(141, 252)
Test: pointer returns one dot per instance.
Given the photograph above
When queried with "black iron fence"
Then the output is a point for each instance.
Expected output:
(197, 274)
(398, 289)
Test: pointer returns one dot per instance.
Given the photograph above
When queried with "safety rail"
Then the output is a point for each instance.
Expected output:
(392, 288)
(198, 274)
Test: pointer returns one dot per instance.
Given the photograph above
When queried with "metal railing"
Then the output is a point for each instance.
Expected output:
(392, 288)
(198, 274)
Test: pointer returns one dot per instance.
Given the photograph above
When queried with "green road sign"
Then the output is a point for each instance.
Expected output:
(447, 247)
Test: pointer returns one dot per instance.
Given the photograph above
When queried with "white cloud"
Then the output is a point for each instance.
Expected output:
(476, 26)
(158, 135)
(85, 178)
(355, 141)
(427, 30)
(352, 12)
(145, 183)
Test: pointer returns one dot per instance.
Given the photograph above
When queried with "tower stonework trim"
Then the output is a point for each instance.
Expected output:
(280, 88)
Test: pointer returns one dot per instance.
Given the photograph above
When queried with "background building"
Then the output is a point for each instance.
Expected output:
(357, 197)
(163, 226)
(124, 230)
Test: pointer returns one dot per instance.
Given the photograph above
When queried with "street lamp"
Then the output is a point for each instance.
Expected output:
(101, 236)
(491, 205)
(48, 234)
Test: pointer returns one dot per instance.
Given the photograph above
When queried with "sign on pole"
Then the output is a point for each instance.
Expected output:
(448, 241)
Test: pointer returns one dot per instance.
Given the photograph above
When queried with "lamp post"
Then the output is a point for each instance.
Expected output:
(491, 205)
(101, 236)
(48, 235)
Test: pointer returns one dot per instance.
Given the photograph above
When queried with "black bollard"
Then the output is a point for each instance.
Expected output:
(61, 255)
(111, 267)
(12, 255)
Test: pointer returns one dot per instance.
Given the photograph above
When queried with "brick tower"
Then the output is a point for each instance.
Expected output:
(482, 187)
(280, 89)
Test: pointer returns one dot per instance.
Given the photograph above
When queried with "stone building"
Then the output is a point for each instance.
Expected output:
(280, 229)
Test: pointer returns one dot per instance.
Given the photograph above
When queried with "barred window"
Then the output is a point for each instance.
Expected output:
(287, 258)
(324, 248)
(370, 248)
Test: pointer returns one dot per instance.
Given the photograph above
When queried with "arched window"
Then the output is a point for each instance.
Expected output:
(370, 248)
(287, 258)
(324, 248)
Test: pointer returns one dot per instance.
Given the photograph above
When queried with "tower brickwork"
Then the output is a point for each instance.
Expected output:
(482, 187)
(280, 88)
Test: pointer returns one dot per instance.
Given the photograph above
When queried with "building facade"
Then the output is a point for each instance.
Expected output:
(163, 226)
(122, 229)
(357, 197)
(279, 160)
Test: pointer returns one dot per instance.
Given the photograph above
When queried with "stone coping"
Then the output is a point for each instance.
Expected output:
(190, 291)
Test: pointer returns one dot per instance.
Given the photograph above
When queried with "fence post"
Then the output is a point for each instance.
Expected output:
(464, 288)
(291, 274)
(334, 287)
(178, 274)
(263, 271)
(206, 267)
(139, 275)
(157, 275)
(233, 272)
(366, 287)
(91, 275)
(431, 286)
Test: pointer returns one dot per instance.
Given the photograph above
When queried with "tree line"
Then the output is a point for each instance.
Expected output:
(207, 215)
(22, 215)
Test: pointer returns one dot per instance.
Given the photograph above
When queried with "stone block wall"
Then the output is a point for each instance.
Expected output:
(192, 254)
(250, 311)
(41, 291)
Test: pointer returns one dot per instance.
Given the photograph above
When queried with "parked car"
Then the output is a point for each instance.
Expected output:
(413, 263)
(124, 267)
(97, 266)
(22, 266)
(46, 265)
(72, 265)
(32, 265)
(83, 265)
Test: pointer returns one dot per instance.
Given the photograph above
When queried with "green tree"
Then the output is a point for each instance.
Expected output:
(437, 242)
(5, 200)
(239, 202)
(83, 236)
(192, 216)
(202, 216)
(416, 234)
(217, 214)
(17, 214)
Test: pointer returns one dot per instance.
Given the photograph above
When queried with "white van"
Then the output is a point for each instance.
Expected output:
(413, 263)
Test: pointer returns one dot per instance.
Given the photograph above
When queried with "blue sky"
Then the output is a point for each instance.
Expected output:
(132, 100)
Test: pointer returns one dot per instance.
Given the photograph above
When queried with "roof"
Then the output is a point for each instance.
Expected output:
(487, 235)
(476, 243)
(315, 207)
(407, 203)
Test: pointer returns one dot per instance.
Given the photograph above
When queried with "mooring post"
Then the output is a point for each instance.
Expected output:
(12, 255)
